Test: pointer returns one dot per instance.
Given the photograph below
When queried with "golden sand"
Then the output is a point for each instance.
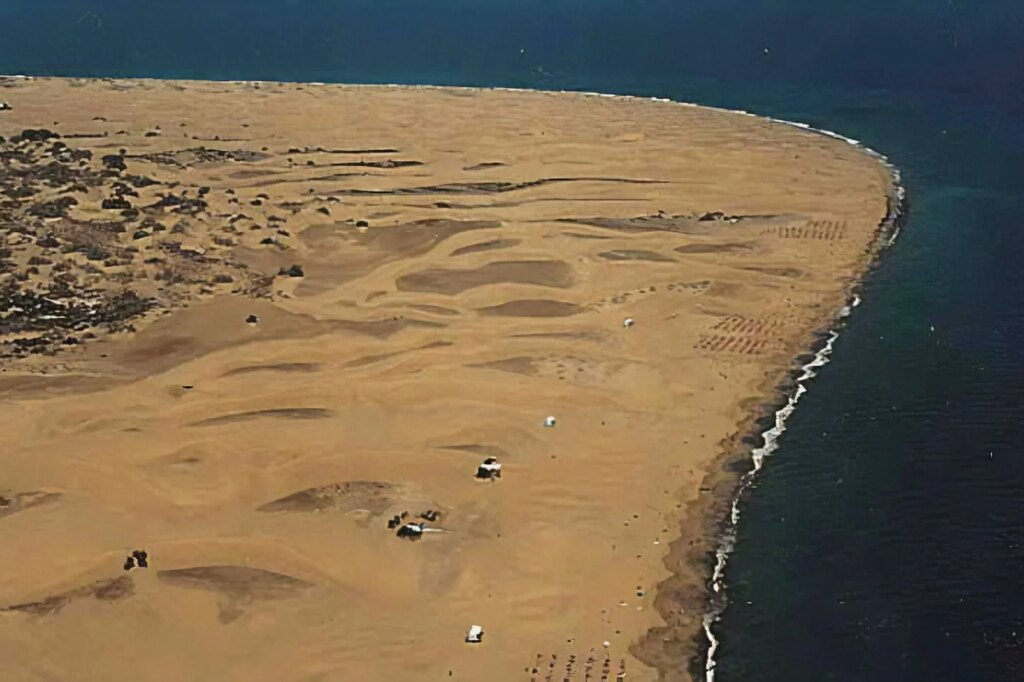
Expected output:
(468, 259)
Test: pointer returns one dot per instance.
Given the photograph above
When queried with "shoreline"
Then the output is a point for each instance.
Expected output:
(769, 425)
(715, 514)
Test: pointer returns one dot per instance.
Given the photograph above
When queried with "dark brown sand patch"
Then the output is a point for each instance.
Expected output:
(486, 246)
(321, 150)
(252, 173)
(636, 254)
(405, 239)
(238, 586)
(276, 413)
(166, 346)
(240, 581)
(341, 252)
(13, 503)
(420, 236)
(645, 223)
(712, 248)
(114, 589)
(25, 386)
(520, 365)
(103, 590)
(549, 273)
(483, 166)
(532, 308)
(386, 164)
(192, 332)
(373, 496)
(435, 309)
(778, 271)
(278, 367)
(581, 235)
(478, 449)
(371, 359)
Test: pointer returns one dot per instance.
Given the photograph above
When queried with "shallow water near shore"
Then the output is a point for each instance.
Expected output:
(882, 540)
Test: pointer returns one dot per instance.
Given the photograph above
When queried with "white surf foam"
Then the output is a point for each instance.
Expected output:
(889, 230)
(758, 456)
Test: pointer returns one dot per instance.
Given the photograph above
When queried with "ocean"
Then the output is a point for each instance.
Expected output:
(884, 538)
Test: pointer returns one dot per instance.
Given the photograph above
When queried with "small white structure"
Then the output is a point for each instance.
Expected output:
(4, 106)
(489, 470)
(475, 634)
(550, 421)
(628, 322)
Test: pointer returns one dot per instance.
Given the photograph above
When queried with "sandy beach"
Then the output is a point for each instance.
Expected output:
(245, 325)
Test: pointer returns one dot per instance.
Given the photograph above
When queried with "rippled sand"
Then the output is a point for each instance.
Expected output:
(467, 260)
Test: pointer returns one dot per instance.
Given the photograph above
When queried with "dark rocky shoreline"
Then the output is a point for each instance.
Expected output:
(729, 480)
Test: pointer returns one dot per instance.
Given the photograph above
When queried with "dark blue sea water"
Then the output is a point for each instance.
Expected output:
(885, 539)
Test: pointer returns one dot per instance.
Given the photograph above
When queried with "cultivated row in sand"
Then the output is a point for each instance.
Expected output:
(244, 326)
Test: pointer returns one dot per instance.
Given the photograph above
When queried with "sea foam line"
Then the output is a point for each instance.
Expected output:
(888, 231)
(727, 541)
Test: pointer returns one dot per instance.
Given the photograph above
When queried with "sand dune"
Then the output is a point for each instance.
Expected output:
(245, 325)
